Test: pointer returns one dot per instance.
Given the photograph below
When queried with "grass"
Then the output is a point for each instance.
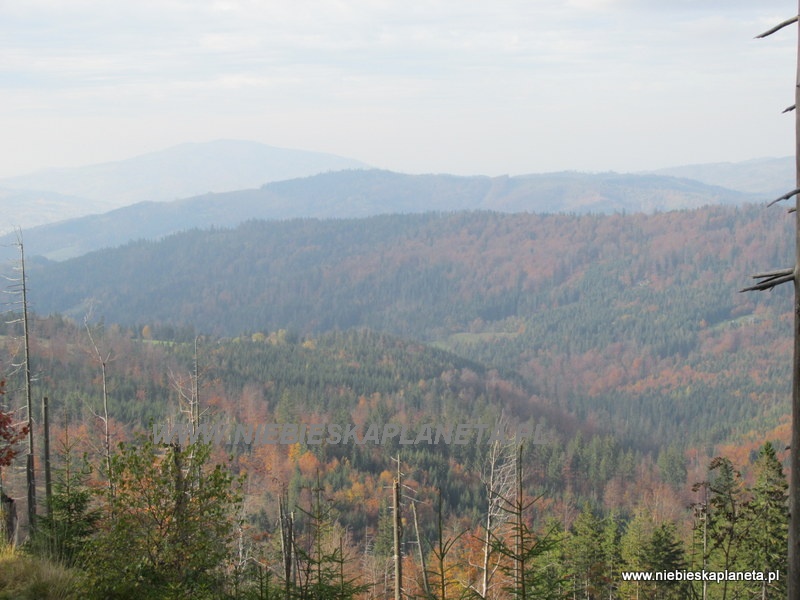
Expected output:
(25, 577)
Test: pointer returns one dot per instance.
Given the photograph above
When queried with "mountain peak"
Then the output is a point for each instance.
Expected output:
(181, 171)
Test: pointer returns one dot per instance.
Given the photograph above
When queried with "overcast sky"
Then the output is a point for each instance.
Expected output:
(457, 86)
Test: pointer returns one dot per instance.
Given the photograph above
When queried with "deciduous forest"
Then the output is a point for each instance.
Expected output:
(661, 390)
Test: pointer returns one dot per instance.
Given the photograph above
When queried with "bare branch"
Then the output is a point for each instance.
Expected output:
(771, 274)
(769, 283)
(788, 109)
(786, 196)
(770, 279)
(778, 27)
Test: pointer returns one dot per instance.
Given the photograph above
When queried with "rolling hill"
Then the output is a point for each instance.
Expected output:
(27, 209)
(769, 177)
(363, 193)
(177, 172)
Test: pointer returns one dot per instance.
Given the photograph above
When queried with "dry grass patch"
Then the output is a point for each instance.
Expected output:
(24, 577)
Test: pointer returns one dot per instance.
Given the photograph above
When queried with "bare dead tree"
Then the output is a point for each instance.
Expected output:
(397, 529)
(287, 542)
(48, 481)
(498, 478)
(103, 361)
(376, 570)
(768, 281)
(497, 473)
(19, 287)
(426, 588)
(188, 389)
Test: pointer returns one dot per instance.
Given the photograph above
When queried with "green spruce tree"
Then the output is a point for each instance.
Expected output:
(664, 553)
(66, 530)
(727, 526)
(768, 518)
(632, 552)
(586, 551)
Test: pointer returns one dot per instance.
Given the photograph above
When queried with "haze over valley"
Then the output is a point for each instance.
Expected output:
(151, 196)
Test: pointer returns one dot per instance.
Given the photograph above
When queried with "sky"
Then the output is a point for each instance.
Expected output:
(445, 86)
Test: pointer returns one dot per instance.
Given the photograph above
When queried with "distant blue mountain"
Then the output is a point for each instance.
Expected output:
(362, 193)
(769, 177)
(179, 172)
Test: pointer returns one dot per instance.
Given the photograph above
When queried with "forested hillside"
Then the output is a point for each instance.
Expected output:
(633, 321)
(585, 484)
(623, 337)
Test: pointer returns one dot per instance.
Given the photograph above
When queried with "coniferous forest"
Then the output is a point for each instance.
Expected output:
(661, 393)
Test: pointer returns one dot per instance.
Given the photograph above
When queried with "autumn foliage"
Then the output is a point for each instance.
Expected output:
(10, 434)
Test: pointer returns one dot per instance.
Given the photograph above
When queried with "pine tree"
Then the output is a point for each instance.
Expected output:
(632, 552)
(768, 515)
(664, 552)
(612, 555)
(65, 532)
(727, 526)
(672, 466)
(585, 547)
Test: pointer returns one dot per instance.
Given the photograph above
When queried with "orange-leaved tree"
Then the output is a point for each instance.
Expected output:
(9, 433)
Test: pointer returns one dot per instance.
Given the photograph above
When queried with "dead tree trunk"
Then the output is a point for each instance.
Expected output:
(48, 481)
(103, 362)
(793, 583)
(398, 539)
(498, 480)
(287, 542)
(423, 567)
(793, 575)
(768, 281)
(20, 286)
(30, 469)
(519, 532)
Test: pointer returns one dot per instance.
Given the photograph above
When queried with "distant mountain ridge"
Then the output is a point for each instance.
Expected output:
(364, 193)
(32, 208)
(193, 169)
(763, 176)
(177, 172)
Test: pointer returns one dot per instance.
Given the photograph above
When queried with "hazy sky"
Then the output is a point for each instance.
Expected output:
(454, 86)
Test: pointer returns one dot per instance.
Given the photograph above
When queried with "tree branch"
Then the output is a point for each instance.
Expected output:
(778, 27)
(773, 274)
(786, 196)
(789, 108)
(771, 280)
